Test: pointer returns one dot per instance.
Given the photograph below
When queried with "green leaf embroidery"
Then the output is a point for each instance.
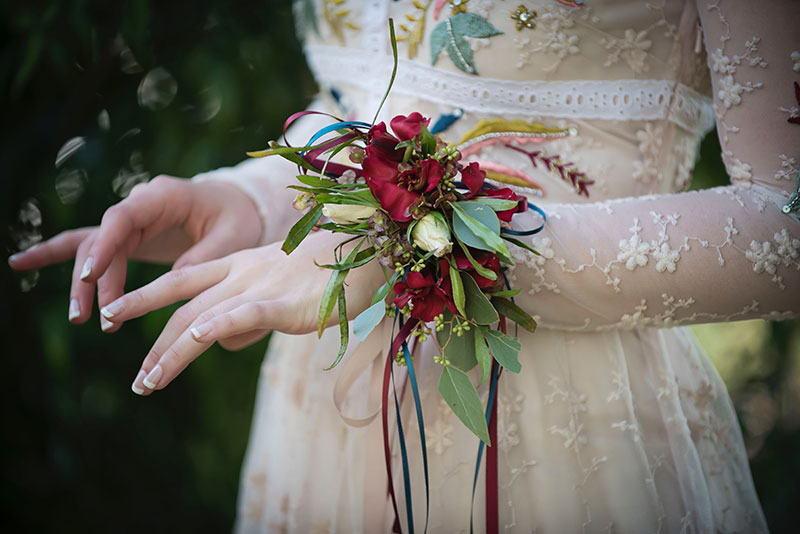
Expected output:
(301, 229)
(515, 313)
(505, 350)
(449, 34)
(457, 390)
(479, 309)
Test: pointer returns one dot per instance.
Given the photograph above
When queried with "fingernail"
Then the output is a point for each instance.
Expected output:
(139, 378)
(74, 309)
(105, 324)
(112, 309)
(14, 257)
(151, 380)
(87, 268)
(200, 331)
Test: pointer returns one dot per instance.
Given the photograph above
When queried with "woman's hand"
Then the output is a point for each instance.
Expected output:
(236, 296)
(165, 220)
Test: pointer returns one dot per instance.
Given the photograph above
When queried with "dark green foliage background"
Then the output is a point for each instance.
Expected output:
(80, 452)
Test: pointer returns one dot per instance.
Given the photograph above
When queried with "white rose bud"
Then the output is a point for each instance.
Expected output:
(431, 234)
(347, 213)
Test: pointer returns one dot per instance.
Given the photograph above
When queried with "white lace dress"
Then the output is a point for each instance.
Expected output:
(617, 422)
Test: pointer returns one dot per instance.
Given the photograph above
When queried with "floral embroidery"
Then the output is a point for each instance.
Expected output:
(650, 140)
(415, 32)
(632, 49)
(794, 111)
(524, 18)
(338, 17)
(450, 35)
(766, 256)
(788, 168)
(458, 6)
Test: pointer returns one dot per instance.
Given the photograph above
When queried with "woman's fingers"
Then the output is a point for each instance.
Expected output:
(179, 284)
(81, 293)
(57, 249)
(154, 206)
(176, 347)
(240, 341)
(241, 320)
(110, 286)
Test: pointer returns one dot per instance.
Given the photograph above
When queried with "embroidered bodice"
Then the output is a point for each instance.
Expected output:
(595, 111)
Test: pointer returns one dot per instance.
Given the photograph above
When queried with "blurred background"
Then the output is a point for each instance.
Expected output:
(98, 96)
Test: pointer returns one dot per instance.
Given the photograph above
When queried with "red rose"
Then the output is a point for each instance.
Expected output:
(426, 298)
(408, 127)
(472, 176)
(507, 194)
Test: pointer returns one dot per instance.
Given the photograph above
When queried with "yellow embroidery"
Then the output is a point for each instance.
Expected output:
(337, 17)
(458, 6)
(524, 18)
(414, 33)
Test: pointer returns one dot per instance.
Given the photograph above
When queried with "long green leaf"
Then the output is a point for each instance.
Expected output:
(505, 350)
(458, 290)
(460, 350)
(515, 313)
(331, 293)
(506, 293)
(316, 181)
(482, 353)
(457, 390)
(344, 330)
(362, 258)
(520, 243)
(393, 41)
(479, 308)
(480, 269)
(498, 204)
(301, 229)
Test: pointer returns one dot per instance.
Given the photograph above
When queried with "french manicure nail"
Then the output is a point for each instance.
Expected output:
(139, 378)
(111, 310)
(87, 268)
(74, 309)
(105, 324)
(14, 257)
(200, 331)
(151, 380)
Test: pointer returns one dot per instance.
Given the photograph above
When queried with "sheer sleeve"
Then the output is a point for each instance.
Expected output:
(265, 181)
(721, 254)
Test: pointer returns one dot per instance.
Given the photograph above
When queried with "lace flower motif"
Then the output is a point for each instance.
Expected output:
(632, 49)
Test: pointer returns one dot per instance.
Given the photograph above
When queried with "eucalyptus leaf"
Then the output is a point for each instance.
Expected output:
(316, 181)
(458, 392)
(479, 308)
(498, 204)
(506, 293)
(368, 320)
(362, 258)
(458, 290)
(515, 313)
(460, 350)
(482, 353)
(520, 243)
(331, 293)
(301, 229)
(480, 269)
(478, 226)
(505, 350)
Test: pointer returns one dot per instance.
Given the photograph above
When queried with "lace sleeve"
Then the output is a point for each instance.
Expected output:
(721, 254)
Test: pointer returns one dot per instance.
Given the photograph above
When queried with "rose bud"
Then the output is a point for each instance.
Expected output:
(432, 235)
(347, 213)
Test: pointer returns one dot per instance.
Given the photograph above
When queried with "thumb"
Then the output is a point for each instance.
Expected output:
(215, 244)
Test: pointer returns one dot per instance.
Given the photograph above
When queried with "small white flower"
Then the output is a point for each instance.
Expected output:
(730, 91)
(347, 213)
(721, 63)
(432, 235)
(633, 252)
(666, 258)
(763, 257)
(740, 170)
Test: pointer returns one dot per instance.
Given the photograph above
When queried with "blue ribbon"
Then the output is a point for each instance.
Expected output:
(538, 210)
(418, 407)
(402, 440)
(355, 125)
(446, 121)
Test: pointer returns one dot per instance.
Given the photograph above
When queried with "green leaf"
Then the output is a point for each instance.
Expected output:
(457, 390)
(482, 353)
(316, 181)
(331, 293)
(515, 313)
(479, 308)
(449, 34)
(460, 350)
(344, 330)
(368, 320)
(498, 204)
(505, 293)
(520, 243)
(428, 141)
(380, 294)
(301, 229)
(393, 41)
(505, 350)
(480, 269)
(478, 226)
(458, 290)
(362, 258)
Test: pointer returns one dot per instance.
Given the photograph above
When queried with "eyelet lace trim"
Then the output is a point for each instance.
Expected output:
(572, 99)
